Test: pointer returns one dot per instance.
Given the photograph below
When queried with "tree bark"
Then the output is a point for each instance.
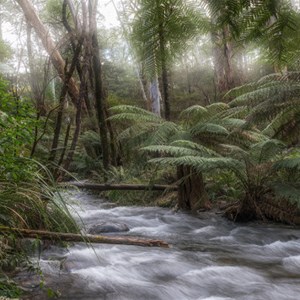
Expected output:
(222, 56)
(80, 102)
(155, 96)
(72, 237)
(62, 99)
(66, 140)
(121, 187)
(191, 191)
(164, 70)
(99, 92)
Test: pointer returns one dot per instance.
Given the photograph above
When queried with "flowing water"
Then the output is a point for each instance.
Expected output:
(210, 258)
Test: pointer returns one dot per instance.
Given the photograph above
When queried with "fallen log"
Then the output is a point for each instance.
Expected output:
(121, 187)
(73, 237)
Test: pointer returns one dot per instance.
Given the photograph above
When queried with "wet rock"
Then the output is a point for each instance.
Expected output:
(107, 227)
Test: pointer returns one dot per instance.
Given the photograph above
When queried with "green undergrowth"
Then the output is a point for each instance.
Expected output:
(140, 175)
(31, 201)
(9, 289)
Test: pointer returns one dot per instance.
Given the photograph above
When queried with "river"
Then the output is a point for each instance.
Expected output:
(210, 258)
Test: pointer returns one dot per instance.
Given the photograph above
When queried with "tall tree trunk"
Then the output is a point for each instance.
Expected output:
(164, 70)
(79, 107)
(62, 99)
(155, 96)
(33, 79)
(99, 92)
(191, 191)
(67, 136)
(143, 87)
(113, 145)
(56, 58)
(222, 56)
(72, 149)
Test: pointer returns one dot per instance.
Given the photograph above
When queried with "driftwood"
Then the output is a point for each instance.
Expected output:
(73, 237)
(121, 187)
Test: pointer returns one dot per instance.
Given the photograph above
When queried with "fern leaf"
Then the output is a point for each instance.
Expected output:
(195, 111)
(217, 108)
(288, 163)
(201, 164)
(164, 133)
(171, 150)
(209, 128)
(130, 109)
(135, 117)
(267, 150)
(204, 151)
(290, 191)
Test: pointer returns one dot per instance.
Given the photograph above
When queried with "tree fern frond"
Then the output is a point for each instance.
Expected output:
(209, 128)
(244, 138)
(201, 164)
(234, 151)
(217, 107)
(232, 123)
(292, 163)
(240, 90)
(135, 117)
(131, 109)
(195, 111)
(204, 151)
(290, 191)
(263, 92)
(164, 133)
(283, 117)
(267, 150)
(130, 132)
(238, 112)
(171, 150)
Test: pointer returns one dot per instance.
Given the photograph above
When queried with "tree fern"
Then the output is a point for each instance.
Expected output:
(266, 150)
(164, 133)
(201, 150)
(171, 150)
(273, 104)
(209, 129)
(292, 164)
(200, 164)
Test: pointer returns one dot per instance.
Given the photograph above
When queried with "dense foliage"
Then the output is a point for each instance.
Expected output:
(201, 94)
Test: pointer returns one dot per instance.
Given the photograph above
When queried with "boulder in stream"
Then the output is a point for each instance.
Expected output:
(108, 227)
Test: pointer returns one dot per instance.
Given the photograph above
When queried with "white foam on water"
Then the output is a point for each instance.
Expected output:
(206, 229)
(227, 238)
(292, 264)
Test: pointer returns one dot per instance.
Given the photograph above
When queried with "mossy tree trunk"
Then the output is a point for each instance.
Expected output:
(163, 59)
(192, 194)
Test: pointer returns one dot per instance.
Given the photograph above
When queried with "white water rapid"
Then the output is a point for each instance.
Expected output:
(210, 258)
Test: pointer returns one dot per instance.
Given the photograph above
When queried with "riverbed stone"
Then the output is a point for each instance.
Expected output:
(108, 227)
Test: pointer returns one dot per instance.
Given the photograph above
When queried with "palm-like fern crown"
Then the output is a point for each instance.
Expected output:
(272, 102)
(171, 22)
(272, 24)
(142, 127)
(209, 139)
(204, 140)
(275, 26)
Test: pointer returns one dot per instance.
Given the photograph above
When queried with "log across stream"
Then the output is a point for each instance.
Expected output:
(211, 258)
(86, 238)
